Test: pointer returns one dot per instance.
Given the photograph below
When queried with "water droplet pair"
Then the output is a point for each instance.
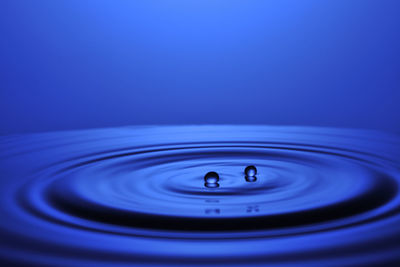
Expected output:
(212, 178)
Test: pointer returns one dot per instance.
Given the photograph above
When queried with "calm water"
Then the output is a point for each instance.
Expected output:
(122, 196)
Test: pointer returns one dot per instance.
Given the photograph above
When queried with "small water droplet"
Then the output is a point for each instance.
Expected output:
(250, 171)
(211, 178)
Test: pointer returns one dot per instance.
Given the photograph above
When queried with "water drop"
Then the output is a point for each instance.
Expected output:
(250, 171)
(211, 178)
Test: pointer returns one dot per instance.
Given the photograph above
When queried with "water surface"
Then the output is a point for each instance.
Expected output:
(137, 195)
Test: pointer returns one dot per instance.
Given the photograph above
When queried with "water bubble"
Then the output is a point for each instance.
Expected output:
(211, 178)
(250, 171)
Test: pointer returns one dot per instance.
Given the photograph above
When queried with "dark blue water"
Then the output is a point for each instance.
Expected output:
(136, 195)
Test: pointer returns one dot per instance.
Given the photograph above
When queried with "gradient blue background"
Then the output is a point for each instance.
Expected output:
(82, 64)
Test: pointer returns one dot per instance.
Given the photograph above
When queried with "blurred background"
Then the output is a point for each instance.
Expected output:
(72, 64)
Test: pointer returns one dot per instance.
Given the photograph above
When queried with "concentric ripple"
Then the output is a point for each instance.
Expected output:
(136, 195)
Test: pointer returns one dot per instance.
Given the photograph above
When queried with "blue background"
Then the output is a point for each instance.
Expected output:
(82, 64)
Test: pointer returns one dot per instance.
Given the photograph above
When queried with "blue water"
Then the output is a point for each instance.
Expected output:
(136, 195)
